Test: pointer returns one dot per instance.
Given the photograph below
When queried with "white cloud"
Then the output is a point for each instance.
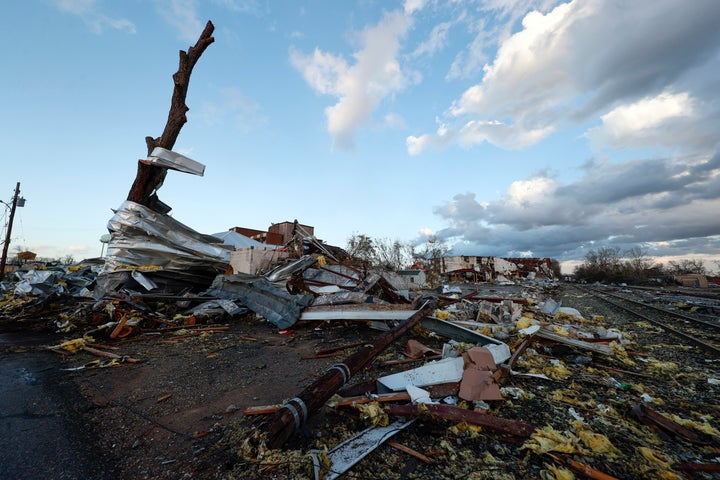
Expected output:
(564, 66)
(322, 71)
(653, 203)
(413, 6)
(531, 191)
(435, 42)
(649, 121)
(90, 13)
(360, 88)
(182, 16)
(251, 7)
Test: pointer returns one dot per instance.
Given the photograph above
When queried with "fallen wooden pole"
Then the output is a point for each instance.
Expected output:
(458, 414)
(100, 353)
(296, 411)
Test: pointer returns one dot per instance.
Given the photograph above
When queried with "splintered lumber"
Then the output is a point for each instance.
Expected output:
(648, 416)
(286, 421)
(581, 468)
(337, 348)
(592, 347)
(150, 177)
(100, 353)
(457, 414)
(410, 451)
(380, 398)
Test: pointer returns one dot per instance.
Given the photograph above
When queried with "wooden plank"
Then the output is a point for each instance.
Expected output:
(573, 342)
(324, 315)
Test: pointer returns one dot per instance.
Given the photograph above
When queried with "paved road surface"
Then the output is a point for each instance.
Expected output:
(42, 434)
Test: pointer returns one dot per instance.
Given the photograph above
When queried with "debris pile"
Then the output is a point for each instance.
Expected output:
(490, 379)
(569, 395)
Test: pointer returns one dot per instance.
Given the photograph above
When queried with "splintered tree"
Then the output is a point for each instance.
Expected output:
(150, 177)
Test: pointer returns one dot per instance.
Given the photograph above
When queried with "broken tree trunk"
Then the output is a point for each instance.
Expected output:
(296, 411)
(149, 177)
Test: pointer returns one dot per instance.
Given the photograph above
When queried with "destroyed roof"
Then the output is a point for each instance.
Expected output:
(238, 240)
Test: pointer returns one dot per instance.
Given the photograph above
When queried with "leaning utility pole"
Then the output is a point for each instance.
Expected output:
(9, 231)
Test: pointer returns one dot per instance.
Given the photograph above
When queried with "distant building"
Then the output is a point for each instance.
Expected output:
(406, 279)
(692, 280)
(486, 269)
(278, 233)
(24, 257)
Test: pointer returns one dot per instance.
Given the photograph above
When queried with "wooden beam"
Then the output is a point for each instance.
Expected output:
(295, 412)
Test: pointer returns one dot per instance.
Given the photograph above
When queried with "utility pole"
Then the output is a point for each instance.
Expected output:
(9, 231)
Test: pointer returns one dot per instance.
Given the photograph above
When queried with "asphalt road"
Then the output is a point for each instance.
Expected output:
(42, 432)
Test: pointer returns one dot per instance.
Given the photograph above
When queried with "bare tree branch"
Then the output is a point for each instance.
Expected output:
(149, 177)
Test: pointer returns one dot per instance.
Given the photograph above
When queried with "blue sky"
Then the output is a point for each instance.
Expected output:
(504, 127)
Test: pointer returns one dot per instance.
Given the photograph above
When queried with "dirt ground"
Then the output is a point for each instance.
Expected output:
(163, 417)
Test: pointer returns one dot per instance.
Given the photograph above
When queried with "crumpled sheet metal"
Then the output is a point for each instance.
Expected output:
(261, 296)
(147, 240)
(38, 282)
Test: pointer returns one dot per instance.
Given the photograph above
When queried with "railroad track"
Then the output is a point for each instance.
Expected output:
(704, 334)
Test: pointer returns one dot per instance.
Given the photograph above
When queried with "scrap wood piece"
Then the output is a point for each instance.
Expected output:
(380, 398)
(295, 412)
(313, 314)
(337, 348)
(262, 409)
(592, 347)
(520, 350)
(149, 177)
(409, 360)
(345, 455)
(458, 414)
(101, 353)
(416, 349)
(581, 468)
(410, 451)
(648, 416)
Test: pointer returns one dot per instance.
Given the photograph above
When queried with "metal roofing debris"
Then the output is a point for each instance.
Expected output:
(346, 454)
(155, 243)
(238, 240)
(161, 157)
(262, 297)
(446, 370)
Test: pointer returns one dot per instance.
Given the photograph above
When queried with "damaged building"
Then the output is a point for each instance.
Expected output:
(487, 269)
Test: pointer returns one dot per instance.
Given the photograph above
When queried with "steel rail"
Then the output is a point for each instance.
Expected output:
(715, 326)
(705, 346)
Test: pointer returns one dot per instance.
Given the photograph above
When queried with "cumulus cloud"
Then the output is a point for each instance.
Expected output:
(90, 13)
(584, 59)
(650, 202)
(374, 75)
